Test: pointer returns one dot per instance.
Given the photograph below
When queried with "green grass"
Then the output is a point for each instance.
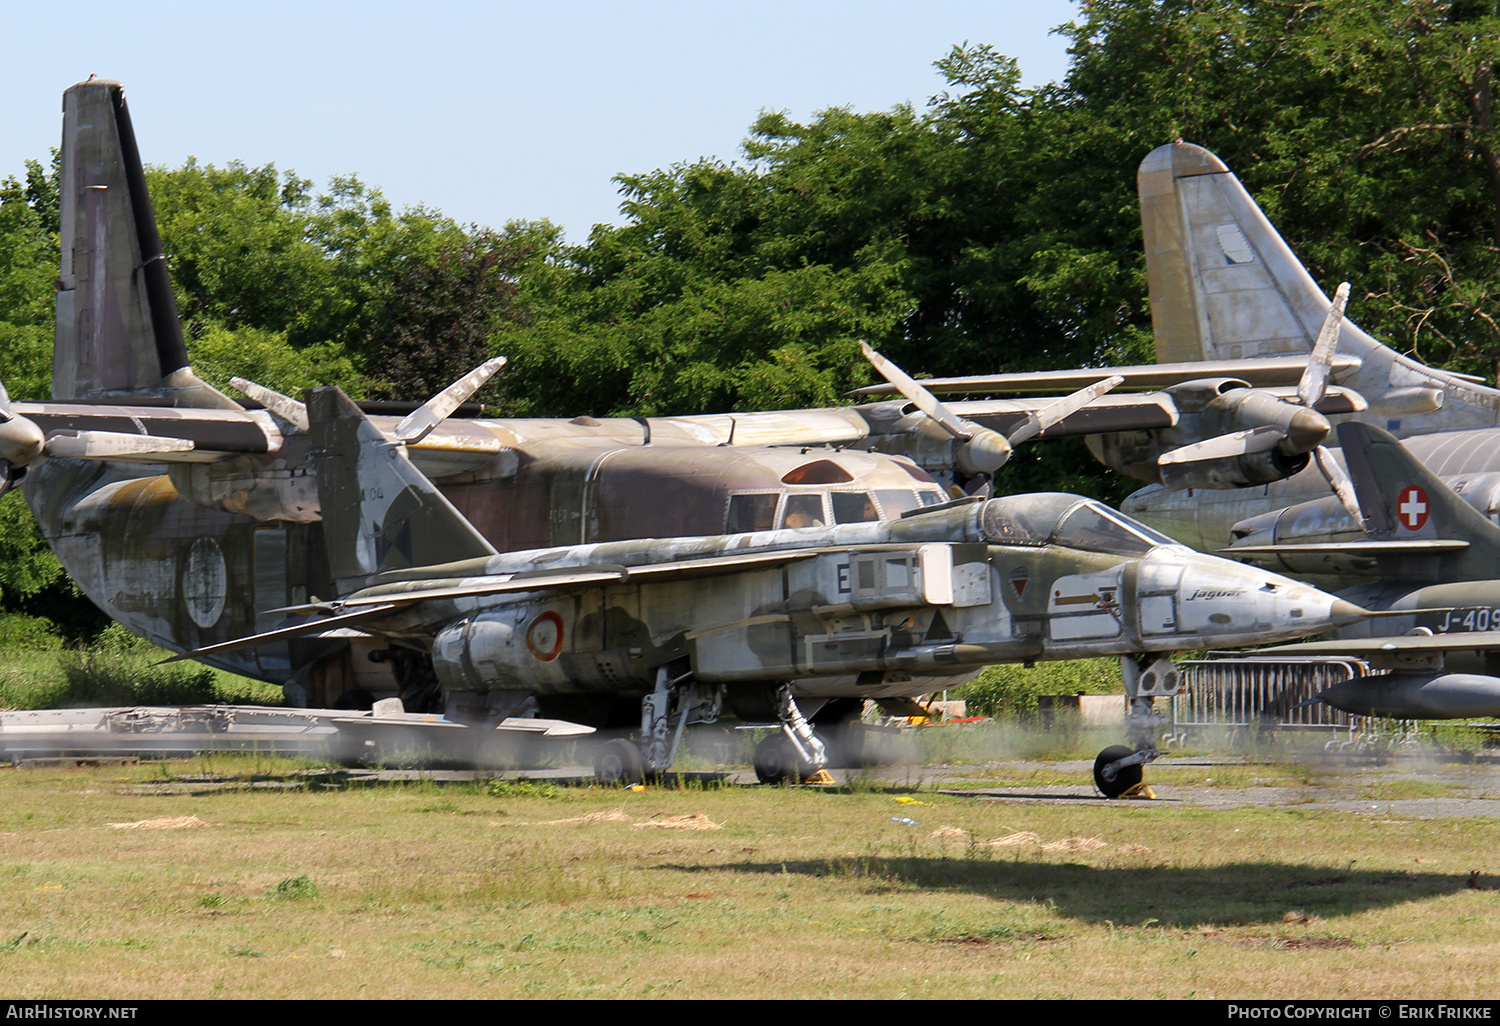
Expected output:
(495, 889)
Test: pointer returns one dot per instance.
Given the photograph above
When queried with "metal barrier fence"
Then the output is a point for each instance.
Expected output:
(1238, 694)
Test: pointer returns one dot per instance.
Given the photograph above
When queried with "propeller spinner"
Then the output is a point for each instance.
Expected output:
(980, 450)
(21, 441)
(1294, 427)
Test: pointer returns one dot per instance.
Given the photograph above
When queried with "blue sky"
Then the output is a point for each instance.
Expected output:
(489, 111)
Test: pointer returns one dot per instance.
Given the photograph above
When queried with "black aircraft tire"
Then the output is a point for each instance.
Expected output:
(776, 761)
(618, 762)
(1124, 780)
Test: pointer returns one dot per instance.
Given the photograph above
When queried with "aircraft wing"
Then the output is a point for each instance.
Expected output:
(297, 630)
(1370, 547)
(1260, 372)
(409, 592)
(1406, 644)
(377, 602)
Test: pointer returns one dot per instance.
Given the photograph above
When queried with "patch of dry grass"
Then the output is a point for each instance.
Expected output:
(298, 887)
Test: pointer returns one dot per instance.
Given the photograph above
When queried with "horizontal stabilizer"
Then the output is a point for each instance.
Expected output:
(379, 511)
(298, 630)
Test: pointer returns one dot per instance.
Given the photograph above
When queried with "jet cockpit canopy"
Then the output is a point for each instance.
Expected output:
(1072, 521)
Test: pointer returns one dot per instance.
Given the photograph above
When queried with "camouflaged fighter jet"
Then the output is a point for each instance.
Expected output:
(1425, 557)
(766, 624)
(197, 522)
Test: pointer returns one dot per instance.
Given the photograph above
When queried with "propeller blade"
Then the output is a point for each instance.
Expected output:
(919, 396)
(420, 422)
(1052, 414)
(11, 475)
(1315, 379)
(1220, 447)
(1341, 485)
(284, 406)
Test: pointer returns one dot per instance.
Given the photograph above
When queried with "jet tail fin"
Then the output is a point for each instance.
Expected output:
(117, 332)
(379, 511)
(1402, 500)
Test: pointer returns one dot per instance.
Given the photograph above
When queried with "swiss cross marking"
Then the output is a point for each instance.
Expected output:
(1412, 508)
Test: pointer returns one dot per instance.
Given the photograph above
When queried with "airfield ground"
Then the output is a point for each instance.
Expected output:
(1327, 876)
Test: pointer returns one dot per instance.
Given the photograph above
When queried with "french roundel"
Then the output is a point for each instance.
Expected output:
(545, 636)
(1412, 508)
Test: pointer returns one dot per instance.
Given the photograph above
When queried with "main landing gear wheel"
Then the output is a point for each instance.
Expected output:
(776, 761)
(1124, 779)
(618, 762)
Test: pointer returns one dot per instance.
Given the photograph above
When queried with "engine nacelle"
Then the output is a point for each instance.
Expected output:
(1212, 408)
(1255, 468)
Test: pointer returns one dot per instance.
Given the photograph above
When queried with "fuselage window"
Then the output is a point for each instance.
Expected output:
(751, 513)
(803, 511)
(853, 508)
(896, 501)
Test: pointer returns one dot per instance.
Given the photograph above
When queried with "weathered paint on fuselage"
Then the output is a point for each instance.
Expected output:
(177, 573)
(573, 492)
(879, 609)
(1204, 518)
(188, 574)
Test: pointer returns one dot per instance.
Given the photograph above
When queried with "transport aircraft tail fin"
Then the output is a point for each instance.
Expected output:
(1224, 284)
(117, 332)
(379, 511)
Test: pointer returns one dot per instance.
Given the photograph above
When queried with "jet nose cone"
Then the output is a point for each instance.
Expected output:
(1223, 603)
(1306, 431)
(1344, 613)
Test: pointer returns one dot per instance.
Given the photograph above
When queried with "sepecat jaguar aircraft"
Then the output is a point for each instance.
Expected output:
(624, 573)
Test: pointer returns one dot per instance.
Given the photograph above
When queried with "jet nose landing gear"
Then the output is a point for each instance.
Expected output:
(1117, 770)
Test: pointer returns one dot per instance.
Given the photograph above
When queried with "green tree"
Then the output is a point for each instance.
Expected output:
(28, 267)
(437, 314)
